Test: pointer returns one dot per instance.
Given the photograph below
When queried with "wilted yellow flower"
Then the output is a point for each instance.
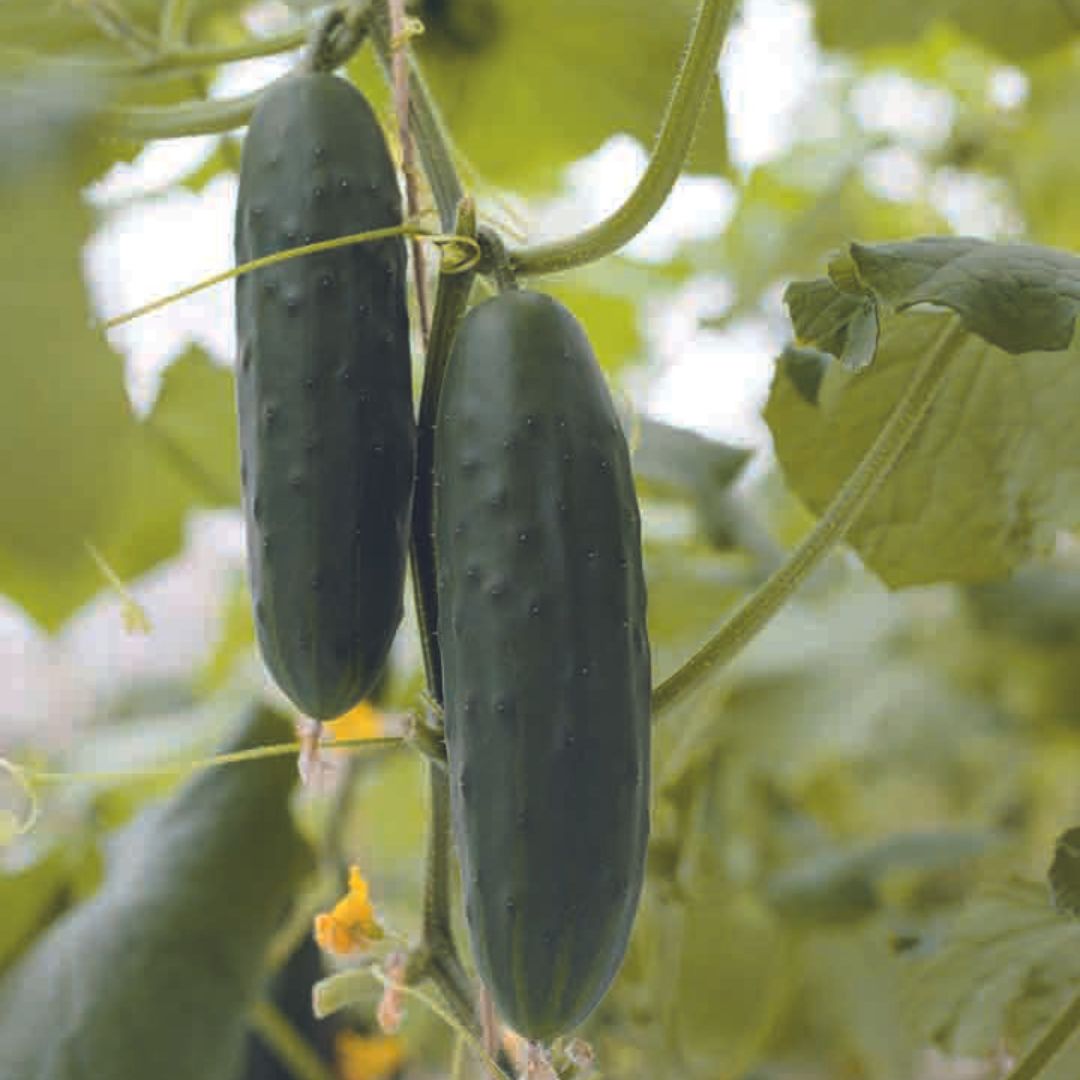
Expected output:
(362, 721)
(391, 1009)
(368, 1057)
(351, 927)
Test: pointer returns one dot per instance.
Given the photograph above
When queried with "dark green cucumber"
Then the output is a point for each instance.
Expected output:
(324, 393)
(545, 659)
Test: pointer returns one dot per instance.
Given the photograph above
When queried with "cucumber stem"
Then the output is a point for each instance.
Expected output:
(668, 156)
(451, 296)
(437, 956)
(863, 484)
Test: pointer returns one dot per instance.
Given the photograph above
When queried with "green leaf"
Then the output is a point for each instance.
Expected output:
(837, 887)
(1043, 26)
(989, 478)
(64, 417)
(1038, 605)
(182, 456)
(1006, 967)
(851, 988)
(28, 897)
(193, 426)
(729, 980)
(527, 88)
(1019, 297)
(153, 976)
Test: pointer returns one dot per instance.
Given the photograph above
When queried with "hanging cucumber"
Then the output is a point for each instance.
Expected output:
(545, 659)
(324, 393)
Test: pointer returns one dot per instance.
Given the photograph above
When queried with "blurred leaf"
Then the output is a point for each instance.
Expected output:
(989, 478)
(154, 975)
(71, 29)
(182, 456)
(528, 88)
(1037, 604)
(1065, 873)
(689, 592)
(29, 896)
(611, 318)
(671, 460)
(729, 980)
(45, 114)
(1008, 964)
(851, 985)
(193, 426)
(236, 639)
(1044, 25)
(843, 886)
(64, 417)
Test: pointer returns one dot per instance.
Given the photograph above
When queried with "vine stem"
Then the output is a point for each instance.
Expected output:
(437, 957)
(850, 501)
(451, 298)
(1051, 1041)
(665, 163)
(143, 122)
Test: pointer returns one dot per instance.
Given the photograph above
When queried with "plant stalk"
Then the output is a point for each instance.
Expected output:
(451, 297)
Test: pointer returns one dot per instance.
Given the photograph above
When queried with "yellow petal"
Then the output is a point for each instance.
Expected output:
(368, 1057)
(362, 721)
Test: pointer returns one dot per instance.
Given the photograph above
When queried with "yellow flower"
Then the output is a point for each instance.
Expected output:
(351, 927)
(362, 721)
(368, 1057)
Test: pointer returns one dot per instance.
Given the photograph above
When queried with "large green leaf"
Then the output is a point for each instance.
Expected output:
(153, 976)
(121, 485)
(64, 417)
(993, 472)
(528, 87)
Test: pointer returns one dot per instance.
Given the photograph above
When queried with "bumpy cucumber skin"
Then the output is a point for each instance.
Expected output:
(545, 659)
(324, 393)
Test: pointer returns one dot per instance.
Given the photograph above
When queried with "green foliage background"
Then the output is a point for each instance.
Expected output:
(853, 822)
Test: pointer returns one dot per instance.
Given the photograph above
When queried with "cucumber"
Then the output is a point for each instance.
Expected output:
(545, 659)
(324, 394)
